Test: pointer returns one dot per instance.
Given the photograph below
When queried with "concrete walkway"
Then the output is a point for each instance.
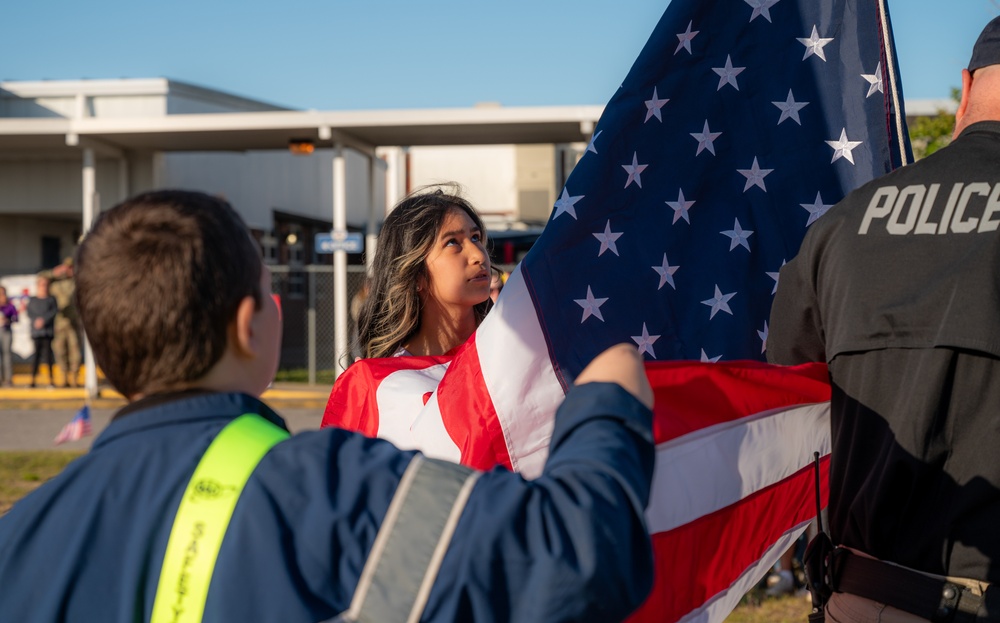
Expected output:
(22, 397)
(30, 418)
(36, 429)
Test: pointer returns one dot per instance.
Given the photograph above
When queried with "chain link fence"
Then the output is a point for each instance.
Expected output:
(307, 313)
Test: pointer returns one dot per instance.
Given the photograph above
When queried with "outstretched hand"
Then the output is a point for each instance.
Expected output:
(623, 365)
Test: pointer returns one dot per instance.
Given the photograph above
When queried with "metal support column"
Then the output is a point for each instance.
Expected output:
(311, 327)
(90, 209)
(123, 174)
(339, 261)
(371, 238)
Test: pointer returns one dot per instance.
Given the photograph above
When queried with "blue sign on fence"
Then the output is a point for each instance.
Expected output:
(351, 242)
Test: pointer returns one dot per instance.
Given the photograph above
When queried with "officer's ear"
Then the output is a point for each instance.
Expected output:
(964, 104)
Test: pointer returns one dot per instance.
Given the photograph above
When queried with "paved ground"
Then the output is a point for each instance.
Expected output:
(30, 418)
(35, 429)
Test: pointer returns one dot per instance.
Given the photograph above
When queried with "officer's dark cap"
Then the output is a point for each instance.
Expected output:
(987, 48)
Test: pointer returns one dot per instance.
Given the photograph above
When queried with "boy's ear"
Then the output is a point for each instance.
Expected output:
(241, 329)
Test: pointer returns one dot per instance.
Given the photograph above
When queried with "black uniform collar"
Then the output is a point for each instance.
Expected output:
(992, 127)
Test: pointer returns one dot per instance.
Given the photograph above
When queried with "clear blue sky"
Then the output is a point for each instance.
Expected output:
(359, 54)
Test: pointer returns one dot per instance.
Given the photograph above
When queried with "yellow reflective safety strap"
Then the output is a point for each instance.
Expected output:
(204, 514)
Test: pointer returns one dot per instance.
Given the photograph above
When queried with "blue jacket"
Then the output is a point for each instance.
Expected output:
(568, 546)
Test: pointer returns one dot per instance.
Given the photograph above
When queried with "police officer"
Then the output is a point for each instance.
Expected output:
(898, 290)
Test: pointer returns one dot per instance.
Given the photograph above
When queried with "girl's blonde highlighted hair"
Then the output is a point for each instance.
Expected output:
(391, 313)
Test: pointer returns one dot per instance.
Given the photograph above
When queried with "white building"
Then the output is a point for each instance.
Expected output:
(70, 148)
(41, 191)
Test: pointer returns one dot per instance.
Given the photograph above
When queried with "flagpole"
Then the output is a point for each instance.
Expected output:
(890, 66)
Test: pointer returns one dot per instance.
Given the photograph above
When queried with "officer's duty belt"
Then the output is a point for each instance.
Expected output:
(936, 600)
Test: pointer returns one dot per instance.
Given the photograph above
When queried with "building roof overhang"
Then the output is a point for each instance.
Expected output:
(363, 130)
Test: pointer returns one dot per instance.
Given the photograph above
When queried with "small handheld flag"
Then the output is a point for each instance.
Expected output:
(76, 428)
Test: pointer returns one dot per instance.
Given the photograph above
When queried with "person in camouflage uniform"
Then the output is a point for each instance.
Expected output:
(66, 343)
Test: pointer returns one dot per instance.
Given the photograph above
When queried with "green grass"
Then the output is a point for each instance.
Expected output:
(789, 609)
(21, 472)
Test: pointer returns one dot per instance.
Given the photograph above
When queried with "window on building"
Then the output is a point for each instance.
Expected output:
(269, 249)
(51, 251)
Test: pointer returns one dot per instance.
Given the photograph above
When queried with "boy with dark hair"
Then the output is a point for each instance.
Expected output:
(187, 262)
(195, 503)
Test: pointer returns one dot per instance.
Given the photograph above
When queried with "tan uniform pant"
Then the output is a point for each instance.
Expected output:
(66, 346)
(845, 608)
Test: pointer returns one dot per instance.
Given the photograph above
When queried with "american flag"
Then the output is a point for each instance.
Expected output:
(740, 124)
(733, 486)
(77, 428)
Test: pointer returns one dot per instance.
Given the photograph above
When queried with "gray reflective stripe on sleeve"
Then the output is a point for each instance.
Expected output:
(411, 543)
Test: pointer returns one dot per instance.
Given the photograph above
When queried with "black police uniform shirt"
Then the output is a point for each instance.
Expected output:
(898, 289)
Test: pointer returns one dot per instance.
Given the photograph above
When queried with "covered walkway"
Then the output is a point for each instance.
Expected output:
(88, 138)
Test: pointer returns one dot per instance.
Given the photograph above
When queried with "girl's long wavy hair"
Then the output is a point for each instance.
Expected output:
(391, 314)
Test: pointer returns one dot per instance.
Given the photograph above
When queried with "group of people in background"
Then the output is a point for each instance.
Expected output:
(52, 324)
(403, 310)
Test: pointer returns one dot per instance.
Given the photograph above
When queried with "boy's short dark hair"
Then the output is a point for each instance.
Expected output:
(158, 280)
